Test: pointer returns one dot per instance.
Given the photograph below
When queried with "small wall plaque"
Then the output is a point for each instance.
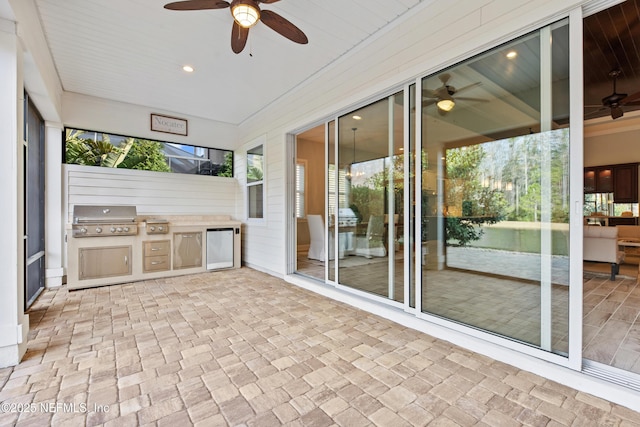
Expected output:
(167, 124)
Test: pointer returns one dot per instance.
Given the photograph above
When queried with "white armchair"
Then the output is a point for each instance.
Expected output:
(317, 237)
(600, 244)
(372, 244)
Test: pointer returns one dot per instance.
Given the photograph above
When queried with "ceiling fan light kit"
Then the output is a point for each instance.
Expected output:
(246, 13)
(445, 96)
(446, 104)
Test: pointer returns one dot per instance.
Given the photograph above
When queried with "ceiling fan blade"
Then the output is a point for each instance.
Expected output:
(466, 98)
(285, 28)
(197, 5)
(239, 37)
(267, 1)
(595, 113)
(472, 85)
(428, 93)
(630, 98)
(444, 78)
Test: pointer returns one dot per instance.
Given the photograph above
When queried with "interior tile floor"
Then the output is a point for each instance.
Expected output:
(240, 347)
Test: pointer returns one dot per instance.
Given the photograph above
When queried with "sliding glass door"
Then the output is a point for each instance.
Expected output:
(495, 191)
(367, 209)
(451, 199)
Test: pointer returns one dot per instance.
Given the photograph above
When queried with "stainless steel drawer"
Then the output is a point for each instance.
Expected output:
(156, 263)
(157, 247)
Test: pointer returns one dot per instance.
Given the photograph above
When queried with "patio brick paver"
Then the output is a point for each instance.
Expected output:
(241, 347)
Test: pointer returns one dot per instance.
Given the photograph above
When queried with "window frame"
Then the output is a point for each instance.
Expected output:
(255, 146)
(196, 148)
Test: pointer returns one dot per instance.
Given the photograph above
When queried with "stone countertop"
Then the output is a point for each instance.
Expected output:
(191, 220)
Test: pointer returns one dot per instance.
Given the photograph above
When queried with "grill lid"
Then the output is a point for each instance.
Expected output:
(85, 214)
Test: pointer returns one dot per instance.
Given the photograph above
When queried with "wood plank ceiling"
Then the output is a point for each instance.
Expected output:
(611, 42)
(133, 51)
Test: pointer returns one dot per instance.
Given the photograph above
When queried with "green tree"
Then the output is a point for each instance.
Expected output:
(89, 152)
(146, 155)
(227, 168)
(131, 153)
(479, 204)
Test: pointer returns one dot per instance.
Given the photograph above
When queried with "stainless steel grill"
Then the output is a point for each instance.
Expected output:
(99, 221)
(346, 218)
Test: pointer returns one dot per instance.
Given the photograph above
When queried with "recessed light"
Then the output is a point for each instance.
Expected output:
(188, 68)
(512, 54)
(357, 118)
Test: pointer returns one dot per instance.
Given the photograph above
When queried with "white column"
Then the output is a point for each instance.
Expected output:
(14, 325)
(54, 223)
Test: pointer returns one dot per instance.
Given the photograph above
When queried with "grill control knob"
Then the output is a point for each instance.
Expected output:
(83, 230)
(98, 229)
(160, 228)
(152, 228)
(112, 229)
(119, 229)
(126, 229)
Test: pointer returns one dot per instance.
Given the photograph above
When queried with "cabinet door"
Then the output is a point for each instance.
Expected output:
(101, 262)
(187, 250)
(604, 179)
(589, 180)
(625, 182)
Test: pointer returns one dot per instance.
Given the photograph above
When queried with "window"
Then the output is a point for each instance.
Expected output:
(342, 196)
(301, 184)
(91, 148)
(255, 183)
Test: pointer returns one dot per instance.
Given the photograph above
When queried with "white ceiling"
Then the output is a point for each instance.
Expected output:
(133, 51)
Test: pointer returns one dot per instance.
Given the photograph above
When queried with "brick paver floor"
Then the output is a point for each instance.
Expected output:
(240, 347)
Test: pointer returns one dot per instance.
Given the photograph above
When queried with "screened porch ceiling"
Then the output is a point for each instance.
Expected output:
(133, 51)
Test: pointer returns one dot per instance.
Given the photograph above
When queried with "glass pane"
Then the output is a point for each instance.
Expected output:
(495, 193)
(255, 201)
(370, 198)
(255, 164)
(35, 185)
(110, 150)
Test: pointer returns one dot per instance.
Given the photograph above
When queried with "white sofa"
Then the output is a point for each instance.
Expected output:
(600, 244)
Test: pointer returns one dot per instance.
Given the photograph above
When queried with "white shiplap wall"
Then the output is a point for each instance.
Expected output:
(432, 36)
(153, 193)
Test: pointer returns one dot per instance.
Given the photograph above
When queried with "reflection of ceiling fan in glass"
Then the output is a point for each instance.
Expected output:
(246, 13)
(443, 96)
(615, 101)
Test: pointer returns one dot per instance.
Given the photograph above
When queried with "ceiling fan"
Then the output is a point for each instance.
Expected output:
(443, 96)
(246, 13)
(615, 101)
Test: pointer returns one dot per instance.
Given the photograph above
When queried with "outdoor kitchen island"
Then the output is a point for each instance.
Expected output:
(162, 247)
